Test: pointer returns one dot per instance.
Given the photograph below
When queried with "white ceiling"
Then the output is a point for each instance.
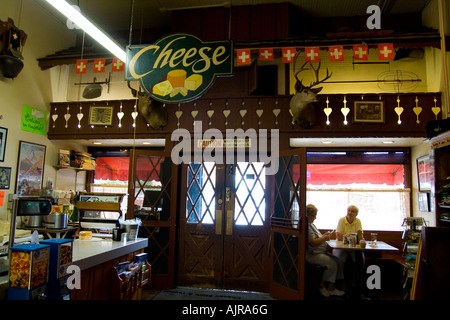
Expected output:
(294, 142)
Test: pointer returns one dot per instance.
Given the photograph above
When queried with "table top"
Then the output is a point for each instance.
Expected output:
(381, 246)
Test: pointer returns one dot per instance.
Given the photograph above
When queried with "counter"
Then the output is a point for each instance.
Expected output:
(90, 253)
(96, 258)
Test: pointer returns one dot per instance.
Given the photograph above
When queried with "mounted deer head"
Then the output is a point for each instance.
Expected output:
(302, 103)
(154, 112)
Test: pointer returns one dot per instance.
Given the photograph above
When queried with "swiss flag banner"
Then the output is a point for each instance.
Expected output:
(336, 53)
(81, 66)
(386, 51)
(288, 54)
(266, 54)
(117, 65)
(99, 65)
(243, 56)
(312, 54)
(360, 52)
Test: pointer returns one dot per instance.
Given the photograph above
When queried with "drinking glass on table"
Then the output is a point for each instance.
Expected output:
(373, 238)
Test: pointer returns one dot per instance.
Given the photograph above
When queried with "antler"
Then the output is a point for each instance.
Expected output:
(316, 71)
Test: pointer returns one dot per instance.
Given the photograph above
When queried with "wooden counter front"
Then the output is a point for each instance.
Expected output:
(97, 259)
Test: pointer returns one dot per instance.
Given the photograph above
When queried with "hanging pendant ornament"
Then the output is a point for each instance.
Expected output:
(134, 115)
(417, 110)
(67, 117)
(226, 113)
(80, 116)
(178, 114)
(120, 115)
(54, 117)
(259, 113)
(398, 110)
(242, 112)
(276, 112)
(327, 112)
(210, 113)
(194, 112)
(435, 109)
(345, 111)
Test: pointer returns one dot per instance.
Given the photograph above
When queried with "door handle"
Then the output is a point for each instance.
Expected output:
(219, 222)
(229, 223)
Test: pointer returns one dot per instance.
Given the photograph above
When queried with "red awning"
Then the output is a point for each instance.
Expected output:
(116, 168)
(333, 174)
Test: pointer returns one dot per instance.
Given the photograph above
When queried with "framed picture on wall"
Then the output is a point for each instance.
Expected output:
(3, 134)
(369, 111)
(5, 177)
(30, 168)
(424, 173)
(424, 201)
(102, 116)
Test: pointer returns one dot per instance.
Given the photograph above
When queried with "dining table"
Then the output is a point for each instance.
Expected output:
(370, 246)
(378, 246)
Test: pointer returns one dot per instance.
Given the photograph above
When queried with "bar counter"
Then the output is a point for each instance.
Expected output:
(96, 258)
(90, 253)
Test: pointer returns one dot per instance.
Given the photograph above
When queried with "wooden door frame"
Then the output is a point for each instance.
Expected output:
(158, 281)
(284, 228)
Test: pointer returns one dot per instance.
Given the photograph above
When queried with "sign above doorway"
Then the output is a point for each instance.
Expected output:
(179, 67)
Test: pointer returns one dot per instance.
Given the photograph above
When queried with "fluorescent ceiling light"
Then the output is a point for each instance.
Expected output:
(77, 18)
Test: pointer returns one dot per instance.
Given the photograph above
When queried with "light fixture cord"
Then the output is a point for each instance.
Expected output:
(131, 22)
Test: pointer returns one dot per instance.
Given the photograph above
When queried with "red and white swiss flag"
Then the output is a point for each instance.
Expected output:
(243, 56)
(312, 54)
(81, 66)
(99, 65)
(266, 54)
(117, 65)
(386, 51)
(336, 53)
(360, 52)
(288, 54)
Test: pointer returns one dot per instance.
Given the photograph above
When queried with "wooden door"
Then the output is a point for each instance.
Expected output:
(224, 233)
(152, 190)
(288, 226)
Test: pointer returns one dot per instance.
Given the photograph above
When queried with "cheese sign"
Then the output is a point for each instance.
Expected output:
(179, 67)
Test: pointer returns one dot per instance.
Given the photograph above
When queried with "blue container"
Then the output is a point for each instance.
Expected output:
(28, 272)
(60, 258)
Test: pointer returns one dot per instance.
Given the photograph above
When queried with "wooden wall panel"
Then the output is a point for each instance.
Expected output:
(408, 128)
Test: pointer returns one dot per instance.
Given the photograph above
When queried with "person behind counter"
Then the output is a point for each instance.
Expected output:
(317, 254)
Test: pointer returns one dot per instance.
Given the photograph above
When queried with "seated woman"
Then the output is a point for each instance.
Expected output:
(317, 254)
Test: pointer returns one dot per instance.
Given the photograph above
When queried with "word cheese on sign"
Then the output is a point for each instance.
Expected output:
(179, 67)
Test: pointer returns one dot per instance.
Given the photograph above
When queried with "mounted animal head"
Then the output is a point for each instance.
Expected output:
(301, 104)
(154, 112)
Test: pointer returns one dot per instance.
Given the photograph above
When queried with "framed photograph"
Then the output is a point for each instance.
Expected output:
(424, 173)
(30, 168)
(3, 134)
(369, 111)
(5, 177)
(424, 201)
(101, 116)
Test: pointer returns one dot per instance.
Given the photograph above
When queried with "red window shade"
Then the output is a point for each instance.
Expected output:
(333, 174)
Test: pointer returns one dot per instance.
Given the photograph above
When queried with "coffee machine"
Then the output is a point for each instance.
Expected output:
(31, 207)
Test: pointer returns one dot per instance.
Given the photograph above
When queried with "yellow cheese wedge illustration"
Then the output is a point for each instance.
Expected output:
(193, 81)
(183, 91)
(176, 77)
(162, 88)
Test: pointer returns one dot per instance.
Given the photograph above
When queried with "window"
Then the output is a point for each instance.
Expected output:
(372, 181)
